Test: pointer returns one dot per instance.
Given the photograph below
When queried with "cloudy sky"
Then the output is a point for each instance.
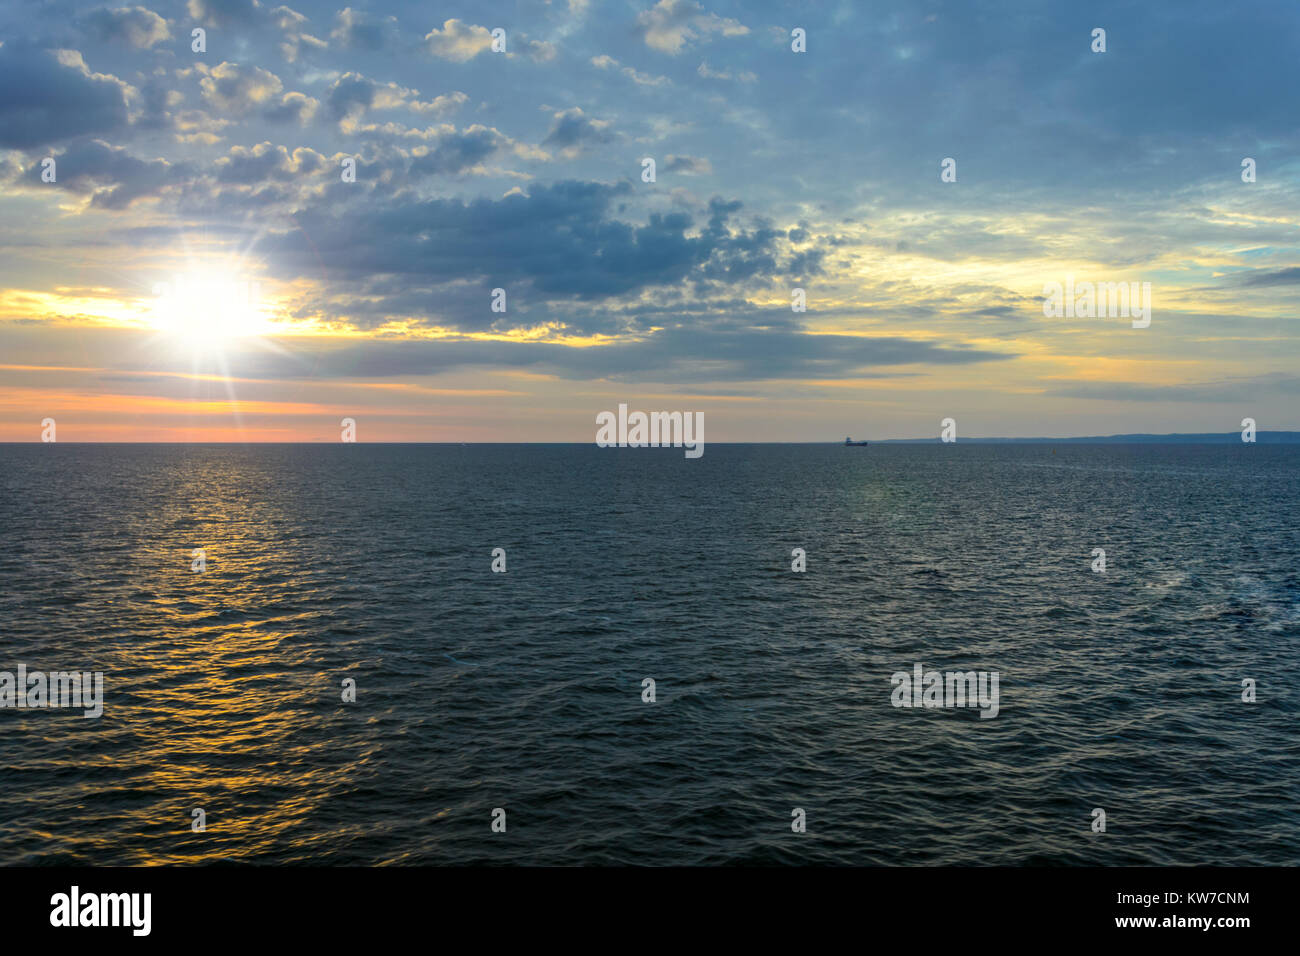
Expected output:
(195, 263)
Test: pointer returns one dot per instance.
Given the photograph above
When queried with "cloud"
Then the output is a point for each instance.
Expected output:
(674, 356)
(223, 13)
(687, 165)
(668, 355)
(455, 151)
(137, 27)
(242, 90)
(439, 105)
(292, 108)
(670, 25)
(1268, 277)
(557, 244)
(572, 129)
(538, 50)
(264, 163)
(295, 38)
(458, 41)
(352, 95)
(156, 101)
(605, 62)
(398, 155)
(47, 96)
(238, 90)
(362, 31)
(112, 176)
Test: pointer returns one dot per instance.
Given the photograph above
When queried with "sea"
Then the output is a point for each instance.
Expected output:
(309, 658)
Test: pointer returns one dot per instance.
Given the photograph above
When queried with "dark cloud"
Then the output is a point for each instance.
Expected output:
(292, 108)
(669, 356)
(351, 94)
(137, 27)
(113, 176)
(157, 100)
(572, 128)
(1268, 277)
(455, 151)
(359, 30)
(49, 96)
(689, 165)
(558, 241)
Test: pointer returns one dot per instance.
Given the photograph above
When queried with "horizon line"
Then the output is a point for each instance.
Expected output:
(1131, 438)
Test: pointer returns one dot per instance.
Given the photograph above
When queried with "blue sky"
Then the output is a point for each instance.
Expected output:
(522, 170)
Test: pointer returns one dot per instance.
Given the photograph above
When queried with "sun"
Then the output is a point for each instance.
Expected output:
(209, 307)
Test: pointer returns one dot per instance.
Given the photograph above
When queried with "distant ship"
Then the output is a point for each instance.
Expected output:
(850, 441)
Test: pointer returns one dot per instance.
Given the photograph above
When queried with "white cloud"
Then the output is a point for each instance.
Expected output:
(605, 62)
(670, 25)
(458, 41)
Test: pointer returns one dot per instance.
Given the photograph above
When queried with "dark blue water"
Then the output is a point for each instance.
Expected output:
(522, 690)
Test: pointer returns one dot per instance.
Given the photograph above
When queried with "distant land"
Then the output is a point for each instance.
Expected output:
(1213, 438)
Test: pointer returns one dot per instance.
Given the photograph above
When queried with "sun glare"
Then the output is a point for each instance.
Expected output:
(208, 308)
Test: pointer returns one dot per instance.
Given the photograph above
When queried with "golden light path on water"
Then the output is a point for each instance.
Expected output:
(212, 678)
